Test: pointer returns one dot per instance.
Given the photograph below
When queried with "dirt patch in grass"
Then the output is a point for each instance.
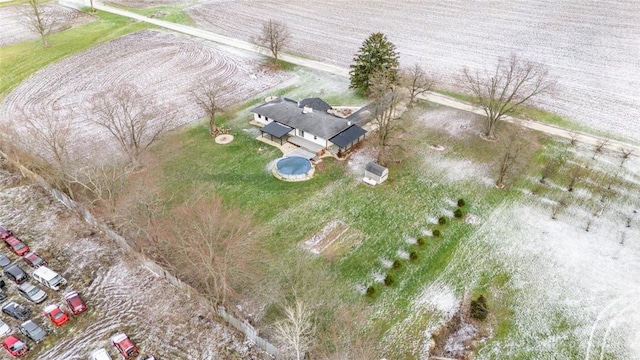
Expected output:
(457, 338)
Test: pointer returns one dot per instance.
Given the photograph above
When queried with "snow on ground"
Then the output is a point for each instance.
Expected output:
(13, 28)
(164, 66)
(561, 271)
(591, 48)
(121, 294)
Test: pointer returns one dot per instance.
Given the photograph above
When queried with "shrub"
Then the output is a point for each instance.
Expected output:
(371, 291)
(436, 233)
(479, 308)
(442, 220)
(457, 213)
(397, 264)
(413, 256)
(421, 240)
(461, 202)
(389, 280)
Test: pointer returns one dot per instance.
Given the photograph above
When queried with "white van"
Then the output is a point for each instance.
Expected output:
(49, 278)
(100, 354)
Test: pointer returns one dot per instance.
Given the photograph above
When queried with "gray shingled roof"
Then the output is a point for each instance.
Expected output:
(349, 136)
(315, 103)
(319, 123)
(375, 169)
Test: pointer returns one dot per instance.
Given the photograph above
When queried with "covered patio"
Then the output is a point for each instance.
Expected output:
(275, 130)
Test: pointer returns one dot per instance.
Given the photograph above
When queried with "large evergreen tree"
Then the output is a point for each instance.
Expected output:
(376, 55)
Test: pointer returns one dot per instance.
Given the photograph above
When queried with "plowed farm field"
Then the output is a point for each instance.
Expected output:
(13, 22)
(592, 48)
(165, 67)
(120, 293)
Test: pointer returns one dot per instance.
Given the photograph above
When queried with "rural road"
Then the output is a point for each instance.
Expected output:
(317, 65)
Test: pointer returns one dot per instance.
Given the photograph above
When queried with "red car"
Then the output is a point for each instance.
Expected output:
(56, 315)
(34, 260)
(125, 346)
(75, 303)
(15, 346)
(5, 232)
(16, 246)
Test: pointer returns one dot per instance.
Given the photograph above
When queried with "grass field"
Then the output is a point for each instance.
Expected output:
(21, 60)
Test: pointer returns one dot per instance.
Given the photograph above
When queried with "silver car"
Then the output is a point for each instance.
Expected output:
(32, 292)
(32, 330)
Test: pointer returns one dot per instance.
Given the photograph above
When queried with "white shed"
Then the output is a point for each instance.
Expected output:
(375, 174)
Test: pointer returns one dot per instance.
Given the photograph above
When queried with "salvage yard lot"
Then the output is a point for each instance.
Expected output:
(121, 294)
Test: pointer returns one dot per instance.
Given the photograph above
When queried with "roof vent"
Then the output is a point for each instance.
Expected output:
(307, 109)
(349, 123)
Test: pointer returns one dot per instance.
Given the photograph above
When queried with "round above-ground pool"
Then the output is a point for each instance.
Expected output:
(293, 168)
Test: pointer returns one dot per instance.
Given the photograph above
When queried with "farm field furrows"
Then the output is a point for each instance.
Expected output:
(13, 28)
(120, 293)
(591, 48)
(164, 67)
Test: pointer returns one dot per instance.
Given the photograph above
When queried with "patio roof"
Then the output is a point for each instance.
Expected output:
(349, 136)
(276, 129)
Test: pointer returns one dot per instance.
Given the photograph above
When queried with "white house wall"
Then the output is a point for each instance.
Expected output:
(314, 139)
(261, 119)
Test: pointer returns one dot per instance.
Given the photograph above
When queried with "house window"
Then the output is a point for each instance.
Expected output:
(315, 137)
(301, 133)
(259, 116)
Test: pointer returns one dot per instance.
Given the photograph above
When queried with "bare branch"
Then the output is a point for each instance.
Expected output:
(387, 98)
(134, 122)
(296, 331)
(39, 19)
(208, 97)
(513, 83)
(416, 80)
(275, 36)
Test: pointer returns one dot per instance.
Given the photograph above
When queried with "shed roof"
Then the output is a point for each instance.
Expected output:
(375, 168)
(276, 129)
(348, 136)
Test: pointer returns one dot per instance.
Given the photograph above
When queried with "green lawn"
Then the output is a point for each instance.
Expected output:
(21, 60)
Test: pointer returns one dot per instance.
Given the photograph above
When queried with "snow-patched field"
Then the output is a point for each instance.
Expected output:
(121, 294)
(13, 21)
(165, 67)
(592, 48)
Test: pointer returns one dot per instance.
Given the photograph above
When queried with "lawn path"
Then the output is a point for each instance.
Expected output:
(592, 140)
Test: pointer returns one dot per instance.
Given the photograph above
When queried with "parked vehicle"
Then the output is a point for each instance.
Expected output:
(75, 302)
(4, 260)
(5, 232)
(32, 330)
(149, 357)
(100, 354)
(34, 260)
(15, 346)
(32, 292)
(125, 346)
(3, 295)
(56, 315)
(16, 310)
(16, 274)
(4, 328)
(16, 245)
(49, 278)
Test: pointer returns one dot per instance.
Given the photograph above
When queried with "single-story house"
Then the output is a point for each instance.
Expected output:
(307, 124)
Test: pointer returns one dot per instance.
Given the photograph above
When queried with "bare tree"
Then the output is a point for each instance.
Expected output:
(387, 111)
(509, 159)
(208, 97)
(40, 20)
(296, 331)
(215, 253)
(624, 155)
(417, 81)
(599, 148)
(513, 83)
(134, 121)
(99, 185)
(48, 136)
(576, 174)
(275, 36)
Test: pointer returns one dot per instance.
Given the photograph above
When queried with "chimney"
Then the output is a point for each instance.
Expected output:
(307, 109)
